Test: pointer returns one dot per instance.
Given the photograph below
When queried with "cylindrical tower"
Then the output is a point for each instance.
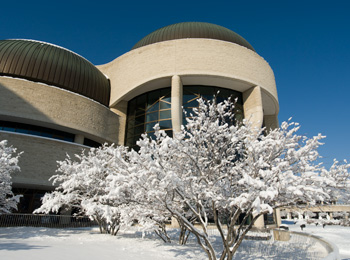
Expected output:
(168, 68)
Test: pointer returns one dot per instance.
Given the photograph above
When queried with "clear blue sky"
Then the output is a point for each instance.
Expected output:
(305, 42)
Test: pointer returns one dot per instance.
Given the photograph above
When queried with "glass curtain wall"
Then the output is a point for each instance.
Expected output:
(145, 111)
(148, 109)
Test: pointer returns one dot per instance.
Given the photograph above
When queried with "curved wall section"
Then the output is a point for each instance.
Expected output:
(210, 60)
(39, 104)
(53, 65)
(39, 159)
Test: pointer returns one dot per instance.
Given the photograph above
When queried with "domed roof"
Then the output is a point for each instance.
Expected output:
(53, 65)
(193, 30)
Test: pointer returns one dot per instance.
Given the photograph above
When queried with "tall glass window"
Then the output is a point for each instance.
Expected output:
(148, 109)
(145, 111)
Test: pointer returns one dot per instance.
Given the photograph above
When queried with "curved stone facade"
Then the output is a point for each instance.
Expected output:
(43, 105)
(39, 159)
(207, 62)
(195, 60)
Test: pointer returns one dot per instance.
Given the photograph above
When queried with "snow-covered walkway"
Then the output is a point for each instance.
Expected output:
(338, 235)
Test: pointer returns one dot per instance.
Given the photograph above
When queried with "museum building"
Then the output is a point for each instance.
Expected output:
(54, 102)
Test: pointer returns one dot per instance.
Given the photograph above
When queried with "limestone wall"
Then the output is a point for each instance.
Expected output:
(39, 159)
(39, 104)
(196, 61)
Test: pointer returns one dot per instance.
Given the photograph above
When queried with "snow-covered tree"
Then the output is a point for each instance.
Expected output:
(8, 165)
(82, 183)
(339, 172)
(213, 168)
(98, 184)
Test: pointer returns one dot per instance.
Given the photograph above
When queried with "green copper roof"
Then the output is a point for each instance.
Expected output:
(53, 65)
(193, 30)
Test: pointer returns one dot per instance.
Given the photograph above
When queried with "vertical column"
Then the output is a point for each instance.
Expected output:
(254, 113)
(259, 222)
(271, 122)
(176, 114)
(277, 213)
(121, 110)
(253, 108)
(176, 103)
(79, 139)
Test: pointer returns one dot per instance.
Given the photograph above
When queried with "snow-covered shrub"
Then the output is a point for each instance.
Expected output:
(8, 165)
(82, 185)
(99, 184)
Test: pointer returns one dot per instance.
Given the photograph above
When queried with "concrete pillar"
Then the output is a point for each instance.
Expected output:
(271, 122)
(253, 112)
(79, 139)
(252, 105)
(259, 223)
(277, 214)
(176, 103)
(300, 216)
(174, 223)
(121, 110)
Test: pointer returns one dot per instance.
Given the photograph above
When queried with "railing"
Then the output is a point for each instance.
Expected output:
(317, 247)
(51, 221)
(284, 245)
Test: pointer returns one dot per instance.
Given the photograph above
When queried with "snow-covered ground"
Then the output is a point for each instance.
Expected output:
(338, 235)
(56, 244)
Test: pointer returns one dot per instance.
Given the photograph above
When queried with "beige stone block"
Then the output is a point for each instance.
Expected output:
(121, 110)
(253, 107)
(281, 235)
